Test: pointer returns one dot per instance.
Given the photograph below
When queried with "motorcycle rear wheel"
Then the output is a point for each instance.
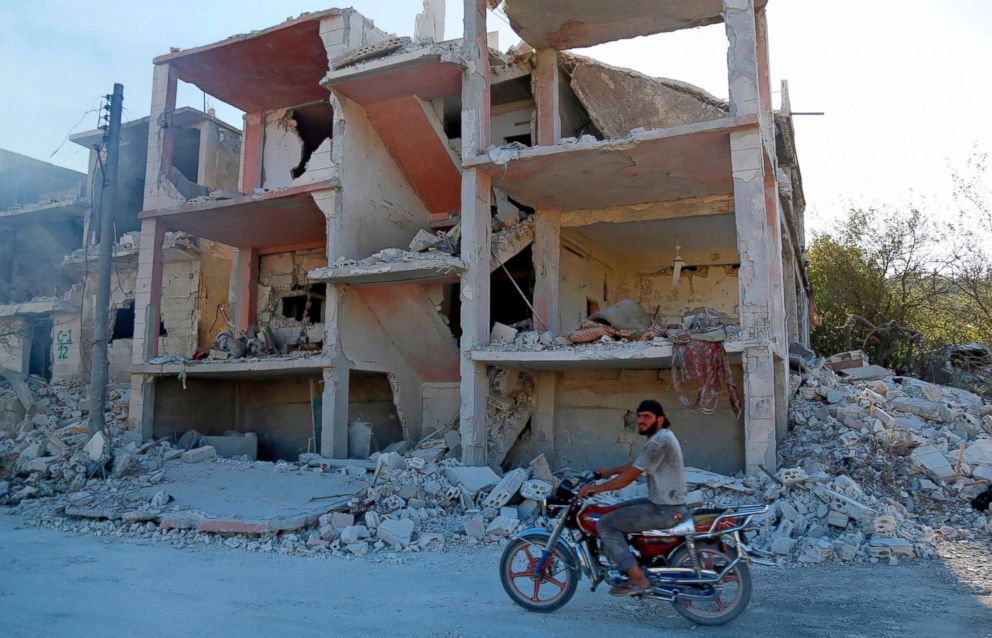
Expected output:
(544, 592)
(731, 600)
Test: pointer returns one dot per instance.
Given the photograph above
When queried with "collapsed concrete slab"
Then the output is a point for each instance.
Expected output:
(620, 100)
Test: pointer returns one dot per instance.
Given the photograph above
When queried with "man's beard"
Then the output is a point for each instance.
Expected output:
(650, 431)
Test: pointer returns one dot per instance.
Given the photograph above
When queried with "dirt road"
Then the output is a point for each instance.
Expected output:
(53, 584)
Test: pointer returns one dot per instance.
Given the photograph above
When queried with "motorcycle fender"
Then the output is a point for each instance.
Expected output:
(536, 535)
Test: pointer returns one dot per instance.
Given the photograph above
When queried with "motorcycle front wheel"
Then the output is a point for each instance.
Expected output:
(545, 591)
(732, 595)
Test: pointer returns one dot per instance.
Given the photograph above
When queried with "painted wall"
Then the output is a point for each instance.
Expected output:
(215, 279)
(379, 207)
(278, 274)
(649, 281)
(276, 410)
(590, 429)
(583, 276)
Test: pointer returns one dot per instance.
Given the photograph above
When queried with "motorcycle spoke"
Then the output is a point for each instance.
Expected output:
(537, 591)
(554, 581)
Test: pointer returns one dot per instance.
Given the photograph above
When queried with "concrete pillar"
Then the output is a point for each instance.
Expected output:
(246, 287)
(547, 260)
(251, 152)
(476, 226)
(141, 406)
(759, 410)
(160, 138)
(334, 417)
(757, 220)
(546, 95)
(148, 291)
(542, 423)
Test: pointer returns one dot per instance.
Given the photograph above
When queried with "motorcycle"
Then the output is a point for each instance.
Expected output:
(700, 566)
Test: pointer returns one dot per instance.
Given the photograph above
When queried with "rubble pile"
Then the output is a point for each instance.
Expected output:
(45, 446)
(416, 500)
(872, 470)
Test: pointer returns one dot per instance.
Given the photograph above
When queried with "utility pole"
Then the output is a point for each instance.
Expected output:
(99, 368)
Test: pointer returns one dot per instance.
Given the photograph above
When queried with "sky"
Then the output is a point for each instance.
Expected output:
(904, 84)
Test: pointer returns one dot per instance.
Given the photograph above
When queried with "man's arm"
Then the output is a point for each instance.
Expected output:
(625, 477)
(605, 473)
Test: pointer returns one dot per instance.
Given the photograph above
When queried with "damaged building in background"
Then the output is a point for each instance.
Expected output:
(430, 236)
(51, 217)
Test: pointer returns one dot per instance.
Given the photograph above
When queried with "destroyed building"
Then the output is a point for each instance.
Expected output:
(41, 212)
(51, 219)
(402, 202)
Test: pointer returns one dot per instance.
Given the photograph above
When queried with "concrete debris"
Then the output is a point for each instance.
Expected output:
(873, 469)
(199, 454)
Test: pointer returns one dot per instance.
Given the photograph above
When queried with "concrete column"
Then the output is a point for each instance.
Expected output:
(476, 227)
(547, 260)
(542, 424)
(759, 410)
(546, 95)
(334, 417)
(251, 152)
(160, 138)
(148, 291)
(246, 300)
(141, 406)
(757, 223)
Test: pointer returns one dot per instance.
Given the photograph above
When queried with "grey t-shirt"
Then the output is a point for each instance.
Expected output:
(661, 461)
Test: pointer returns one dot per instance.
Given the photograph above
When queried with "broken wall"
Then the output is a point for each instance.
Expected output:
(31, 260)
(586, 277)
(370, 399)
(15, 344)
(649, 281)
(595, 422)
(397, 330)
(288, 158)
(215, 280)
(619, 100)
(282, 276)
(380, 209)
(279, 411)
(24, 180)
(219, 158)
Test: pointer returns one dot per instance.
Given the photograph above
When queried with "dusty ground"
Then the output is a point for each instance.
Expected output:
(54, 584)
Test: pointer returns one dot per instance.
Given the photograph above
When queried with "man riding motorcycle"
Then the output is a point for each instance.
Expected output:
(661, 460)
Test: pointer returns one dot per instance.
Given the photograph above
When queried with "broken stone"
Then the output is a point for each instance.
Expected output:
(782, 545)
(475, 528)
(96, 447)
(397, 533)
(359, 548)
(199, 454)
(472, 479)
(921, 407)
(979, 452)
(535, 490)
(353, 534)
(837, 519)
(502, 333)
(161, 499)
(502, 526)
(505, 489)
(541, 469)
(931, 459)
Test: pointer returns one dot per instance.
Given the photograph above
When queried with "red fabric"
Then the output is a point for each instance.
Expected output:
(703, 362)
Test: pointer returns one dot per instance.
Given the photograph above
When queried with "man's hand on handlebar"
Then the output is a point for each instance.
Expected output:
(587, 490)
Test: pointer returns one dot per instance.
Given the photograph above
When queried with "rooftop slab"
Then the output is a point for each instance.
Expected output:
(570, 24)
(438, 269)
(268, 367)
(46, 212)
(36, 307)
(277, 218)
(394, 91)
(273, 68)
(644, 355)
(651, 166)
